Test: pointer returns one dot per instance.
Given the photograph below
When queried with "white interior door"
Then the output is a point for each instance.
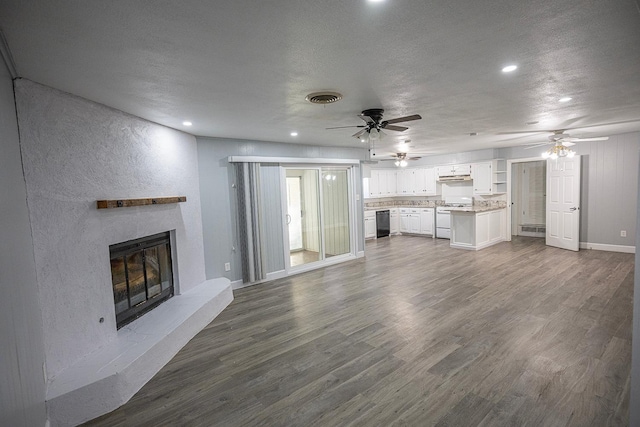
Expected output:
(563, 203)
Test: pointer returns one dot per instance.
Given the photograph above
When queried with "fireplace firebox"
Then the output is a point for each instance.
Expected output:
(141, 275)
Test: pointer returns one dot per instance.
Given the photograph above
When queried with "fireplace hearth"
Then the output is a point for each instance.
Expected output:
(141, 275)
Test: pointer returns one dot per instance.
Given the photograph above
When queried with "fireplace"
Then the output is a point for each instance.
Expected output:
(141, 275)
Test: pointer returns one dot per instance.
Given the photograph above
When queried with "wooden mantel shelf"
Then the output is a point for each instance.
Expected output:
(126, 203)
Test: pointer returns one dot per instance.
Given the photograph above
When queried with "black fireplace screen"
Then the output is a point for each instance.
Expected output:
(141, 275)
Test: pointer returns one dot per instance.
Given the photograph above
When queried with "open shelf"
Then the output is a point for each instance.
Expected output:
(127, 203)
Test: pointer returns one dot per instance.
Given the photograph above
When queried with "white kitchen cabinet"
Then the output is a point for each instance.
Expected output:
(374, 184)
(387, 183)
(365, 188)
(417, 220)
(489, 177)
(419, 182)
(414, 221)
(477, 230)
(454, 170)
(425, 183)
(427, 221)
(369, 224)
(482, 176)
(404, 220)
(406, 182)
(431, 185)
(394, 221)
(382, 183)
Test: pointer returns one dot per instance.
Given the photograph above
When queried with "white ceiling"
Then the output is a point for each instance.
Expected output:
(242, 69)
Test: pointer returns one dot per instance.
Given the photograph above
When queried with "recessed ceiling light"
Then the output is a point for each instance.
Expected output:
(565, 99)
(376, 1)
(294, 133)
(509, 68)
(187, 123)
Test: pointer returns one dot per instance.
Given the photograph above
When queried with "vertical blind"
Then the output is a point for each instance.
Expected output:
(248, 184)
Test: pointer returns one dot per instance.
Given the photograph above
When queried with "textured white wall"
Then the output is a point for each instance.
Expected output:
(76, 152)
(22, 386)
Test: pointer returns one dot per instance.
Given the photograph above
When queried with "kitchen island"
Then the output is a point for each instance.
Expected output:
(474, 228)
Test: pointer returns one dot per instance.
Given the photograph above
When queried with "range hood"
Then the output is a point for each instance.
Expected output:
(450, 178)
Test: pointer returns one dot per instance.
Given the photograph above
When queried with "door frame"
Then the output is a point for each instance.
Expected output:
(353, 225)
(510, 162)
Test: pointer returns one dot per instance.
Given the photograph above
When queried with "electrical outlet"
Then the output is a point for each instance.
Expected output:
(623, 233)
(227, 266)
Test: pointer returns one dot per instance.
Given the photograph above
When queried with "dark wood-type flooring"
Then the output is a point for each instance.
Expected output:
(415, 334)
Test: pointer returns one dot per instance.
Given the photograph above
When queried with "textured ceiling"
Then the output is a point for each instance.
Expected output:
(242, 69)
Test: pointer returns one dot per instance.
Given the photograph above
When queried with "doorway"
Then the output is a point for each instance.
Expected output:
(303, 216)
(528, 198)
(318, 214)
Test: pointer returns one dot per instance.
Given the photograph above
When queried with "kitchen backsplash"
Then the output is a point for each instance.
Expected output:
(431, 203)
(392, 203)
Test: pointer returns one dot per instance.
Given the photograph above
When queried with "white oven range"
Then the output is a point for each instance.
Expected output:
(443, 214)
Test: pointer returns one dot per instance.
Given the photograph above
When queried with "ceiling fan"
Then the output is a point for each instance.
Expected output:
(561, 142)
(401, 159)
(372, 131)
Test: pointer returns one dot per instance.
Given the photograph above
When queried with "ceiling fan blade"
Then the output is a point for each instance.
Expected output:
(359, 133)
(599, 138)
(526, 131)
(402, 119)
(393, 127)
(367, 119)
(537, 145)
(344, 127)
(568, 143)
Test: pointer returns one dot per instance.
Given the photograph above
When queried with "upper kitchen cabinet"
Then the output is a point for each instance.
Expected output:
(381, 184)
(489, 177)
(481, 175)
(406, 183)
(387, 183)
(426, 182)
(454, 170)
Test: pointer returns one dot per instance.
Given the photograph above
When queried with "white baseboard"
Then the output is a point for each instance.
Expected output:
(610, 248)
(239, 284)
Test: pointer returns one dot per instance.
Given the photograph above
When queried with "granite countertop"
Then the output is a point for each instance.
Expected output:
(384, 208)
(476, 209)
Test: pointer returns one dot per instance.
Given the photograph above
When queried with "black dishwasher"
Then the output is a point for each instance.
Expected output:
(382, 223)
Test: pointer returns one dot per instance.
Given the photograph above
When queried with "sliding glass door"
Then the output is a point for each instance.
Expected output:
(303, 216)
(318, 214)
(335, 210)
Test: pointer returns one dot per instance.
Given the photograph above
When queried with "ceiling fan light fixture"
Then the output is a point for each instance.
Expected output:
(374, 135)
(557, 151)
(403, 163)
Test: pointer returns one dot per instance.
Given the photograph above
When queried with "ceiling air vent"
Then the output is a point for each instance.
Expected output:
(323, 97)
